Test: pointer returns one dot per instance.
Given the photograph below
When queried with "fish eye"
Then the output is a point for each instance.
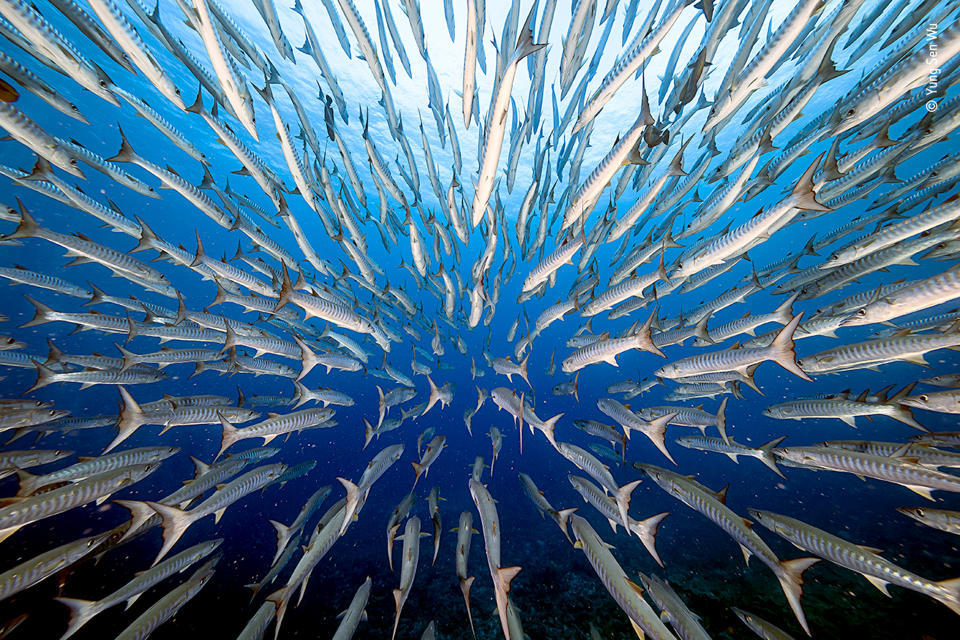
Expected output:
(924, 398)
(920, 512)
(851, 112)
(861, 312)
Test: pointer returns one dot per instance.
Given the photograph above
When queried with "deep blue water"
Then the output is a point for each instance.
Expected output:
(557, 593)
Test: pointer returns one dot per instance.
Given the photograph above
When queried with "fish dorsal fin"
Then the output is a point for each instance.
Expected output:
(721, 495)
(902, 450)
(870, 549)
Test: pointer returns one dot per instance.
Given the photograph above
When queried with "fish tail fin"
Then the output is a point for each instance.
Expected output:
(27, 483)
(418, 469)
(661, 268)
(791, 580)
(230, 345)
(199, 255)
(902, 412)
(367, 433)
(784, 313)
(228, 435)
(301, 393)
(41, 313)
(279, 598)
(563, 517)
(465, 585)
(622, 497)
(434, 395)
(504, 576)
(951, 594)
(54, 354)
(701, 331)
(576, 386)
(656, 429)
(644, 337)
(197, 106)
(523, 370)
(391, 536)
(175, 523)
(81, 612)
(41, 170)
(749, 381)
(283, 538)
(781, 349)
(221, 296)
(27, 228)
(525, 43)
(130, 419)
(350, 507)
(126, 152)
(722, 421)
(548, 427)
(129, 357)
(45, 376)
(646, 530)
(148, 239)
(307, 357)
(380, 401)
(140, 514)
(199, 466)
(905, 415)
(803, 195)
(768, 458)
(398, 601)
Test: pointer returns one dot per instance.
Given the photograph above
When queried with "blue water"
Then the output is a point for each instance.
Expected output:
(557, 594)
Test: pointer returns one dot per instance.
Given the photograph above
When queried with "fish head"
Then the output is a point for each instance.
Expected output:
(747, 618)
(666, 371)
(655, 473)
(917, 513)
(863, 315)
(919, 401)
(576, 482)
(791, 455)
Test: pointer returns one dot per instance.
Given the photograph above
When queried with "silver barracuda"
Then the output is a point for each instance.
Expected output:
(788, 572)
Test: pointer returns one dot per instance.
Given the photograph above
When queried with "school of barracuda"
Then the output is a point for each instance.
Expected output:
(329, 305)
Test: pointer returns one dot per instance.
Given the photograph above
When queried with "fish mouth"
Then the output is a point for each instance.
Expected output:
(853, 319)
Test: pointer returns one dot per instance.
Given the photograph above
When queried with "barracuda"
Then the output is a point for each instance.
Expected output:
(877, 570)
(96, 488)
(917, 478)
(624, 592)
(789, 572)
